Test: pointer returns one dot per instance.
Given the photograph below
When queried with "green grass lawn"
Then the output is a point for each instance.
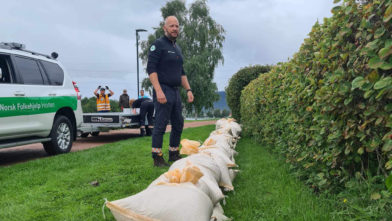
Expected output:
(58, 188)
(265, 190)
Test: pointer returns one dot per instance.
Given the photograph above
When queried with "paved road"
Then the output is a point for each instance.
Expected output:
(25, 153)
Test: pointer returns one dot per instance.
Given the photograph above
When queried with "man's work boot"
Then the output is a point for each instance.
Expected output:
(142, 132)
(174, 156)
(159, 161)
(149, 131)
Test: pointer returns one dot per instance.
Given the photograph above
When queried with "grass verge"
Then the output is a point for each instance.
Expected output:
(58, 188)
(265, 190)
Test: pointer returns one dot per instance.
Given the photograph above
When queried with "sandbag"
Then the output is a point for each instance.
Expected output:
(205, 163)
(228, 126)
(173, 202)
(223, 139)
(209, 142)
(209, 166)
(189, 173)
(189, 146)
(206, 184)
(223, 122)
(235, 129)
(233, 173)
(217, 214)
(216, 152)
(230, 153)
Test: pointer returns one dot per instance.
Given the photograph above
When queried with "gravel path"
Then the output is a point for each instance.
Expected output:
(9, 156)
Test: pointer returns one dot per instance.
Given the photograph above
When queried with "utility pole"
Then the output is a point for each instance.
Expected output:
(137, 57)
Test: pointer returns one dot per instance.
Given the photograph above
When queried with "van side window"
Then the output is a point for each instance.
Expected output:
(5, 72)
(29, 70)
(54, 72)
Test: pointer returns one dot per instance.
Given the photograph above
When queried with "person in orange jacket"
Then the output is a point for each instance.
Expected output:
(103, 102)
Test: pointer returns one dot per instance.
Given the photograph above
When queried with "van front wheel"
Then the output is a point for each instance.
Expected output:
(61, 136)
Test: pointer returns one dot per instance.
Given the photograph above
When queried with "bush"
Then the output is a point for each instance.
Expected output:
(329, 109)
(237, 82)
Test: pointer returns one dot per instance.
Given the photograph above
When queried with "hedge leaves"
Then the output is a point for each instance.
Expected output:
(328, 110)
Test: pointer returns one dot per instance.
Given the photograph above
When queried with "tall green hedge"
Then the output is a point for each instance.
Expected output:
(237, 83)
(329, 109)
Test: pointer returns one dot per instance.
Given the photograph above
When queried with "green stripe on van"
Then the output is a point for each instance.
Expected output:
(17, 106)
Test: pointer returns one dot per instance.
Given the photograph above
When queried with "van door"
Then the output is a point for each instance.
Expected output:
(36, 103)
(13, 124)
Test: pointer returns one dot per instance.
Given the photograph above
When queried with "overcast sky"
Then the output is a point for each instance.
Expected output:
(96, 39)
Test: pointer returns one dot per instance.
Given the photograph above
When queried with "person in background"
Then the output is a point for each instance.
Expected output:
(103, 102)
(142, 94)
(124, 100)
(146, 110)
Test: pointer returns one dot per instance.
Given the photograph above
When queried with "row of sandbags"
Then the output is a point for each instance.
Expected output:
(191, 189)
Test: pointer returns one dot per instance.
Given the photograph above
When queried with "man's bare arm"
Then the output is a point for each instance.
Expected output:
(185, 84)
(96, 92)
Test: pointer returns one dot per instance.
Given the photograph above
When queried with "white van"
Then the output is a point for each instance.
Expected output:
(38, 100)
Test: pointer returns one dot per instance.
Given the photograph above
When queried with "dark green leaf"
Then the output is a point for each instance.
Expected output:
(379, 32)
(336, 9)
(387, 146)
(385, 52)
(357, 82)
(388, 14)
(384, 82)
(386, 66)
(388, 183)
(375, 62)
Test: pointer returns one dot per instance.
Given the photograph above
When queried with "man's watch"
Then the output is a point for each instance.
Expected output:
(188, 90)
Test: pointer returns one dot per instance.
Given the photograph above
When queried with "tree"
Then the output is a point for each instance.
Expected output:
(147, 86)
(201, 40)
(225, 113)
(210, 114)
(217, 113)
(89, 105)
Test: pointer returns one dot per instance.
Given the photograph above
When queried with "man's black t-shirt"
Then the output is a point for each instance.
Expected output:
(165, 58)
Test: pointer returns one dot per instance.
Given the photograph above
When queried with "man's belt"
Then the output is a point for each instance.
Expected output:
(173, 87)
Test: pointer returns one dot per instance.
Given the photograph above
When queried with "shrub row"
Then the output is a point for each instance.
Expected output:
(328, 109)
(237, 83)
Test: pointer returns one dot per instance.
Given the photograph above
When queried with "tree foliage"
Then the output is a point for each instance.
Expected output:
(328, 109)
(217, 113)
(147, 86)
(201, 40)
(237, 83)
(225, 113)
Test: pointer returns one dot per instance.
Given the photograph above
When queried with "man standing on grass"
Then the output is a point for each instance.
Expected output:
(166, 72)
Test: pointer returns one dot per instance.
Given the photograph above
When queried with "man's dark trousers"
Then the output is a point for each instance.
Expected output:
(172, 110)
(146, 108)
